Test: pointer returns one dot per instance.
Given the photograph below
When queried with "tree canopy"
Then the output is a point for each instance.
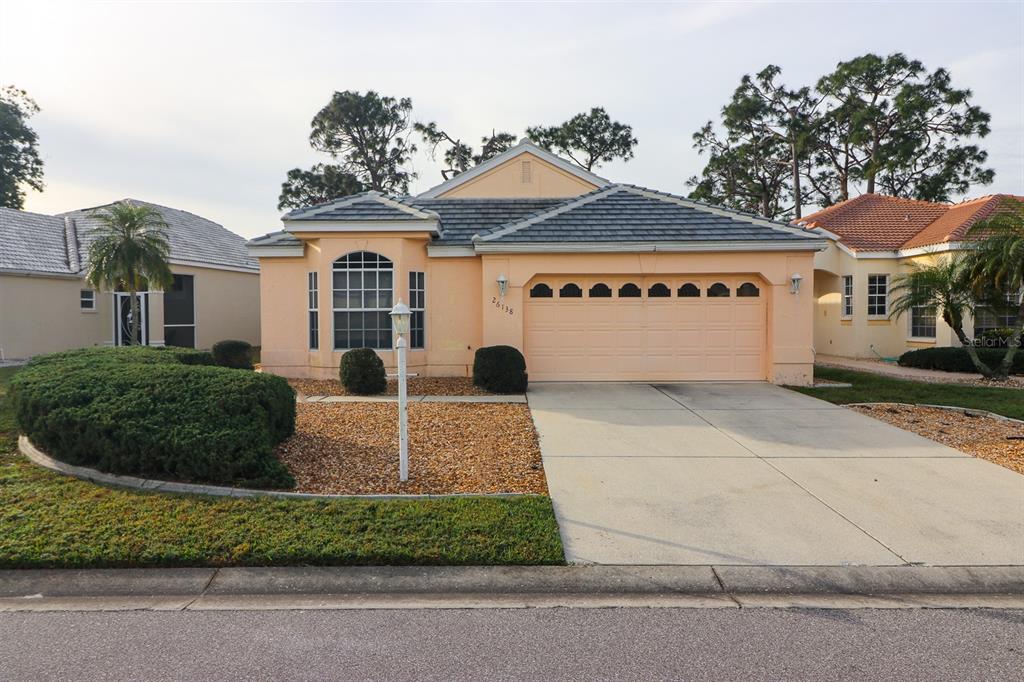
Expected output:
(318, 185)
(459, 156)
(368, 133)
(589, 138)
(873, 124)
(20, 164)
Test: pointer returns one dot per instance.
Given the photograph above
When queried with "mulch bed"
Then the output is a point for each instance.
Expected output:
(417, 386)
(982, 437)
(352, 448)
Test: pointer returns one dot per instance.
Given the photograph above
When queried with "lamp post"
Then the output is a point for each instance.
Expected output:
(400, 321)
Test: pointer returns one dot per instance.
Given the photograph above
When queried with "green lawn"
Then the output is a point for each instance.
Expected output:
(872, 388)
(48, 520)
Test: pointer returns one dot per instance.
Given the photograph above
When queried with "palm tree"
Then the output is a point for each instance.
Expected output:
(945, 287)
(128, 250)
(996, 264)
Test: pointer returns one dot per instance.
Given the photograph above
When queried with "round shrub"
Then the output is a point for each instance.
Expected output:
(949, 359)
(500, 369)
(232, 353)
(362, 372)
(125, 413)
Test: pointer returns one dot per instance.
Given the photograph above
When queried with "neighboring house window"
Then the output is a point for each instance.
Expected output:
(922, 322)
(180, 313)
(313, 281)
(847, 295)
(418, 306)
(986, 318)
(878, 295)
(87, 300)
(362, 288)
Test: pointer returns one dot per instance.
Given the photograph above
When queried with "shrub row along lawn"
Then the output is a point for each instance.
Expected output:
(872, 388)
(49, 520)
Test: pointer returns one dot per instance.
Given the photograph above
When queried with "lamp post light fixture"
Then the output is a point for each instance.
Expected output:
(400, 322)
(794, 283)
(502, 285)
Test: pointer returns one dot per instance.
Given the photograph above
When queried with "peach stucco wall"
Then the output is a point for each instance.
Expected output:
(465, 310)
(508, 180)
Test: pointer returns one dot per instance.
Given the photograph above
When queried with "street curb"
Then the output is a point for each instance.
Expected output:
(37, 456)
(451, 582)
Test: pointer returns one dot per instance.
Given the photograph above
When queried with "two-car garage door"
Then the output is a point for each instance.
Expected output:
(650, 328)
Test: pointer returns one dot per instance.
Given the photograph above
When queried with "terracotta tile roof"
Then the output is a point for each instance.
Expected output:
(876, 222)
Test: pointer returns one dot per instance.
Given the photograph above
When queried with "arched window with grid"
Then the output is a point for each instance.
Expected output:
(363, 287)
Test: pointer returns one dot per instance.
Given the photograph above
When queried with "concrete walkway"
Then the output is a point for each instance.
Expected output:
(752, 473)
(892, 370)
(413, 398)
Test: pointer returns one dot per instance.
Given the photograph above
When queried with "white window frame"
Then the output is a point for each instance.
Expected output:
(334, 310)
(910, 323)
(884, 295)
(846, 302)
(91, 300)
(313, 305)
(420, 308)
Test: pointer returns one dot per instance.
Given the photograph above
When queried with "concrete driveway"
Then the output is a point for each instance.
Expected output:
(750, 473)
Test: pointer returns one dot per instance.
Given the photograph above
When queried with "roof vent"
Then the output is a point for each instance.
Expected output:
(526, 172)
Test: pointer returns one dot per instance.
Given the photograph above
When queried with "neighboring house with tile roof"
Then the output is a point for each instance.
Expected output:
(590, 279)
(45, 305)
(873, 240)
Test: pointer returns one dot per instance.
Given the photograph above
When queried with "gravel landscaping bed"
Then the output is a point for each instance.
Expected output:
(352, 448)
(982, 437)
(417, 386)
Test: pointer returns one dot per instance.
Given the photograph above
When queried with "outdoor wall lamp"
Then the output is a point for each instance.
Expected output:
(794, 283)
(502, 284)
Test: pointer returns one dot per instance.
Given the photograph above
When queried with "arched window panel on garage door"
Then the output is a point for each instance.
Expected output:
(718, 290)
(541, 290)
(689, 290)
(629, 290)
(749, 290)
(570, 290)
(600, 290)
(659, 290)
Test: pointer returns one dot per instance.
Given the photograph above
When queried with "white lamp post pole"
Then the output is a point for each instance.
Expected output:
(400, 316)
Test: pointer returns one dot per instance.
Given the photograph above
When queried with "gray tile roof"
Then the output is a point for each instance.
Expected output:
(368, 206)
(32, 242)
(626, 213)
(192, 238)
(615, 213)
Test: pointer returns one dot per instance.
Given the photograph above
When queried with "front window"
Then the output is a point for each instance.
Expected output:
(313, 281)
(180, 313)
(847, 295)
(922, 322)
(418, 306)
(87, 300)
(362, 299)
(878, 295)
(986, 318)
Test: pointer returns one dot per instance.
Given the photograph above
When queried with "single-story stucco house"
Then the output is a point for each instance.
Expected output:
(872, 240)
(591, 280)
(46, 306)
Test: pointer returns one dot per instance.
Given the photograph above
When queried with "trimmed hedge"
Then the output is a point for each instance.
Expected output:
(957, 359)
(500, 369)
(362, 372)
(233, 354)
(95, 355)
(143, 412)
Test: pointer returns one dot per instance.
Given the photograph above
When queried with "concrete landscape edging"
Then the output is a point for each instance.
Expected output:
(37, 456)
(970, 412)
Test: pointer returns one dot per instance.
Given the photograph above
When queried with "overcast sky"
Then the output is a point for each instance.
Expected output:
(204, 107)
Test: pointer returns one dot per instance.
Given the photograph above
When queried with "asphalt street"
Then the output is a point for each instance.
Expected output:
(495, 644)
